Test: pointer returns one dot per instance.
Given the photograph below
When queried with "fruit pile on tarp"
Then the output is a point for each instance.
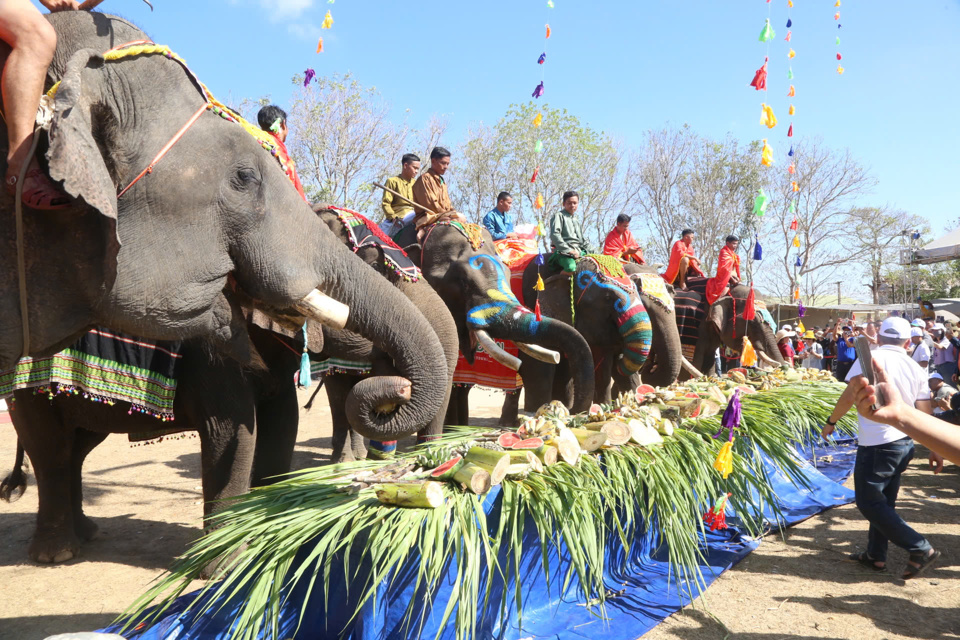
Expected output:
(594, 500)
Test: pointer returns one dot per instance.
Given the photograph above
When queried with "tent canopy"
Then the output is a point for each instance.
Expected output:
(940, 250)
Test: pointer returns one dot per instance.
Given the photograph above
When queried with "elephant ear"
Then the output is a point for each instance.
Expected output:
(415, 253)
(75, 157)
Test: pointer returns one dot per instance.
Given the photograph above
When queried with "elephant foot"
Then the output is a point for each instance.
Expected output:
(85, 527)
(54, 549)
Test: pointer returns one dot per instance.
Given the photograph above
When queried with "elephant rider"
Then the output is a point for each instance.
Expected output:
(728, 271)
(273, 120)
(566, 236)
(620, 243)
(496, 221)
(683, 261)
(32, 42)
(396, 212)
(430, 192)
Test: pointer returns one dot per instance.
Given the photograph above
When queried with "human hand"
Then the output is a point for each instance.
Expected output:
(827, 430)
(865, 397)
(936, 462)
(60, 5)
(576, 254)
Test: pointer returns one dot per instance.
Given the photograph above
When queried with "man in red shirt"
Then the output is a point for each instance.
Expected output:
(620, 243)
(273, 120)
(683, 261)
(728, 271)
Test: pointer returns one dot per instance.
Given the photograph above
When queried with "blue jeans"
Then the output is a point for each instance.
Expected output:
(876, 479)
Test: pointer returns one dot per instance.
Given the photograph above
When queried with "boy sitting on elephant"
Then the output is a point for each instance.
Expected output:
(566, 236)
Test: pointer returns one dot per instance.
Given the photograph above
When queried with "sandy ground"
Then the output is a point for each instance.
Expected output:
(147, 502)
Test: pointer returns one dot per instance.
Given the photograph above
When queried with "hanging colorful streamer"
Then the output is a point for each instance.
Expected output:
(539, 202)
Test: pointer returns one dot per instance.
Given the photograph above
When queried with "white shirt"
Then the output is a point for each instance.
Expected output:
(909, 378)
(921, 353)
(813, 362)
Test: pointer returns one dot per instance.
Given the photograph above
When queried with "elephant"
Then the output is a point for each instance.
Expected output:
(246, 419)
(599, 305)
(721, 324)
(474, 284)
(347, 443)
(203, 228)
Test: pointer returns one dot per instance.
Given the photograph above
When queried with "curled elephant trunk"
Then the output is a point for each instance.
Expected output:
(517, 323)
(637, 334)
(387, 408)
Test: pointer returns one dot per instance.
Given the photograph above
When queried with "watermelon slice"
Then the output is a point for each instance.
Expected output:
(595, 409)
(529, 443)
(644, 389)
(746, 389)
(447, 469)
(738, 370)
(507, 440)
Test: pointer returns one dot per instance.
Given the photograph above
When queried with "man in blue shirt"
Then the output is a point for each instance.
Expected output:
(496, 221)
(846, 354)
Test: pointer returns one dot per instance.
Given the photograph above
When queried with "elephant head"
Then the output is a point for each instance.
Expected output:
(726, 321)
(475, 285)
(156, 261)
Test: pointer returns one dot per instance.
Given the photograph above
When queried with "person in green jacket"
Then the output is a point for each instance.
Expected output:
(566, 236)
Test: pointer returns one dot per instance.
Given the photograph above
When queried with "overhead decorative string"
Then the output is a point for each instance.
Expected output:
(539, 202)
(792, 162)
(326, 24)
(836, 17)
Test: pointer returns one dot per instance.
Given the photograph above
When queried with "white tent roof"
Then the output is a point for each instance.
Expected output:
(940, 250)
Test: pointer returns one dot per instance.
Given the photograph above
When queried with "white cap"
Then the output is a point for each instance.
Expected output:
(917, 322)
(939, 326)
(895, 328)
(916, 332)
(787, 327)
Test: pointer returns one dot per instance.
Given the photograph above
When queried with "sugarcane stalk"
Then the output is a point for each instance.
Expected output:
(522, 462)
(473, 478)
(547, 454)
(617, 431)
(494, 462)
(589, 440)
(418, 495)
(568, 451)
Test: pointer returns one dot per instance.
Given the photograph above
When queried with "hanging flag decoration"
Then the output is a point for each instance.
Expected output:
(320, 45)
(793, 225)
(757, 249)
(750, 308)
(792, 169)
(801, 310)
(533, 178)
(836, 16)
(716, 518)
(327, 21)
(796, 293)
(766, 156)
(799, 262)
(538, 120)
(767, 117)
(791, 111)
(539, 204)
(796, 241)
(538, 147)
(767, 34)
(760, 203)
(790, 131)
(759, 81)
(732, 416)
(538, 91)
(548, 32)
(542, 58)
(308, 75)
(791, 54)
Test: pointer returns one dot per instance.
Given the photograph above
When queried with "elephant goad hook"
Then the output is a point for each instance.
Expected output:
(90, 5)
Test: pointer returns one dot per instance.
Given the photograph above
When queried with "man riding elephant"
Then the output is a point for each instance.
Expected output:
(566, 236)
(728, 271)
(683, 261)
(431, 193)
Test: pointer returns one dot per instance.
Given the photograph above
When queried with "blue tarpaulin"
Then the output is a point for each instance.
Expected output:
(644, 592)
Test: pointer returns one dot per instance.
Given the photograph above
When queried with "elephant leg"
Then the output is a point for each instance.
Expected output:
(538, 380)
(453, 416)
(603, 376)
(48, 442)
(510, 414)
(347, 444)
(278, 419)
(83, 443)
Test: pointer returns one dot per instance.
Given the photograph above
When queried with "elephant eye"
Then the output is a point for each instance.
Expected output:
(247, 177)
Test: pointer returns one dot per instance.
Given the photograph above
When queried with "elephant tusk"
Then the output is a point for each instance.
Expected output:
(495, 352)
(689, 368)
(324, 309)
(540, 353)
(767, 359)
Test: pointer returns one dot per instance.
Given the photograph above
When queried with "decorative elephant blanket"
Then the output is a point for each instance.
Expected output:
(691, 308)
(487, 372)
(105, 366)
(363, 233)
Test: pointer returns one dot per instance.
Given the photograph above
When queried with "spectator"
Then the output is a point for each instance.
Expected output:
(869, 329)
(845, 351)
(812, 354)
(940, 393)
(919, 351)
(944, 354)
(396, 212)
(497, 222)
(829, 350)
(783, 343)
(884, 453)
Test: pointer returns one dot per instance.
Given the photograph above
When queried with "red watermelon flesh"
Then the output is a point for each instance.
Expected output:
(507, 440)
(738, 370)
(595, 409)
(446, 467)
(746, 390)
(644, 389)
(529, 443)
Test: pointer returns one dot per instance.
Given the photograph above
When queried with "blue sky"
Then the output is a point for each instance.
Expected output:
(621, 66)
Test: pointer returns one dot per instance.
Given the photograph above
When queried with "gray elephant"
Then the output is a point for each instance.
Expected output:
(604, 311)
(705, 328)
(246, 419)
(462, 265)
(344, 345)
(207, 227)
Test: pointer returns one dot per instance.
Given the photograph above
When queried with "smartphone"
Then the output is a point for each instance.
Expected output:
(861, 345)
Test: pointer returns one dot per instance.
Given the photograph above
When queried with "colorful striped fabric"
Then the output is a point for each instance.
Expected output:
(337, 365)
(691, 308)
(104, 366)
(487, 372)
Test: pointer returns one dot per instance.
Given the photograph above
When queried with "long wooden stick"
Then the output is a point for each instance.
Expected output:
(90, 5)
(410, 202)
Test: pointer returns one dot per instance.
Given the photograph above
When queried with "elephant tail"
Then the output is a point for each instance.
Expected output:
(15, 484)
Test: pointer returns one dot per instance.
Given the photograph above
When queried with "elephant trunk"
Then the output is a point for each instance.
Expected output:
(554, 335)
(666, 357)
(765, 343)
(637, 335)
(403, 333)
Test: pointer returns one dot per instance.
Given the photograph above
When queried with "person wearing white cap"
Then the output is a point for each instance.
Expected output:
(884, 453)
(919, 351)
(940, 393)
(786, 348)
(944, 353)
